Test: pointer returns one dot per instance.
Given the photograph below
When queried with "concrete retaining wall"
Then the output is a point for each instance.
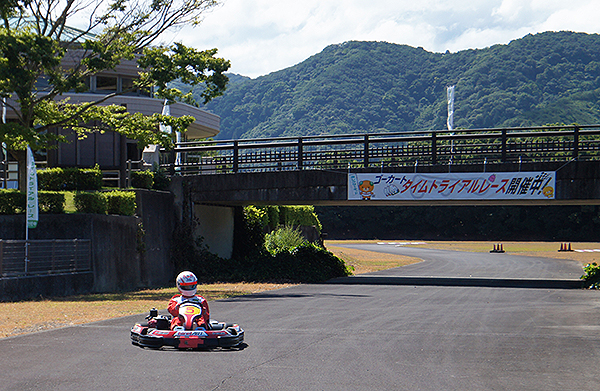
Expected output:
(128, 252)
(67, 284)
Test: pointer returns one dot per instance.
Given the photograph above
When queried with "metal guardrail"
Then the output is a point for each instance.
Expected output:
(44, 256)
(339, 152)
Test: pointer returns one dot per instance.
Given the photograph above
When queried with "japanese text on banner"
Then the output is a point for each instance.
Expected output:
(452, 186)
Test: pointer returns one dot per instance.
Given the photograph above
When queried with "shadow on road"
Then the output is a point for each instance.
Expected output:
(459, 281)
(279, 295)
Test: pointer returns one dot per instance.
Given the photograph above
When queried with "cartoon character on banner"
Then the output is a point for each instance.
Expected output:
(365, 188)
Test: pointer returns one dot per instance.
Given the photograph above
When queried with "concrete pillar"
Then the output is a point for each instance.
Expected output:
(215, 224)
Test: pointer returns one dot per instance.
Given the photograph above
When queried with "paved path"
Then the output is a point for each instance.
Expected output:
(350, 337)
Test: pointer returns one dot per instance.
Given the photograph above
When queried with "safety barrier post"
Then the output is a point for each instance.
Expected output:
(300, 153)
(576, 142)
(503, 145)
(236, 152)
(366, 151)
(433, 148)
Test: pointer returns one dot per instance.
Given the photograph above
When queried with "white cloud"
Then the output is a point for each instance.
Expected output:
(263, 36)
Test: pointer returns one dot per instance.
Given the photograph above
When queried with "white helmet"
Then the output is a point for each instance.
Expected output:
(187, 283)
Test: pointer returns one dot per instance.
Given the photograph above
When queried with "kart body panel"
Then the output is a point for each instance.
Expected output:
(230, 335)
(157, 333)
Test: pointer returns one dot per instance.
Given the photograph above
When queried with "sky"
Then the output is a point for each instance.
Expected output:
(264, 36)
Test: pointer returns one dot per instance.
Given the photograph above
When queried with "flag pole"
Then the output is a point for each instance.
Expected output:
(450, 120)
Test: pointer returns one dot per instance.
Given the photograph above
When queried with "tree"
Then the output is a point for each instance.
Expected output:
(37, 42)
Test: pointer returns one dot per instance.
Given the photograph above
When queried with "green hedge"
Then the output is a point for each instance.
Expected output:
(142, 179)
(113, 202)
(14, 202)
(51, 202)
(120, 203)
(56, 179)
(86, 202)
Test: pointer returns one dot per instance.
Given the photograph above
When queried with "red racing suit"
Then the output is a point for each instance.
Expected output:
(176, 301)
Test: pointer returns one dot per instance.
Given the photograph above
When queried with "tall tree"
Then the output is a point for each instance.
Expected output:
(38, 41)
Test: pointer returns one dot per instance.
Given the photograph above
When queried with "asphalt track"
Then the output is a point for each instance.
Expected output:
(353, 336)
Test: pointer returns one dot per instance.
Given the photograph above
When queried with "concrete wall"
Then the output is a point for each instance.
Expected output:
(577, 182)
(215, 225)
(117, 263)
(115, 260)
(158, 219)
(67, 284)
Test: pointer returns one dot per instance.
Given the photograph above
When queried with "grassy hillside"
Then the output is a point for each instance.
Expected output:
(376, 87)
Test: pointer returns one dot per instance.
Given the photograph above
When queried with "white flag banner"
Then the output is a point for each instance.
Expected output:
(452, 186)
(4, 154)
(166, 110)
(450, 93)
(32, 191)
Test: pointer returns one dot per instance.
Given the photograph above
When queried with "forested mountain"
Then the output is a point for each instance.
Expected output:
(552, 77)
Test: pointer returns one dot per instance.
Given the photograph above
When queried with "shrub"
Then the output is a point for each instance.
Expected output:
(120, 202)
(51, 202)
(142, 179)
(299, 215)
(88, 178)
(161, 180)
(250, 235)
(309, 263)
(272, 215)
(591, 276)
(255, 216)
(57, 179)
(51, 179)
(12, 202)
(90, 202)
(283, 239)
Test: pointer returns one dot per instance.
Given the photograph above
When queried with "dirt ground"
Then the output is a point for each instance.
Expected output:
(37, 315)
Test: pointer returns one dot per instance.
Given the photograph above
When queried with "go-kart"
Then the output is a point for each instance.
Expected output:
(157, 332)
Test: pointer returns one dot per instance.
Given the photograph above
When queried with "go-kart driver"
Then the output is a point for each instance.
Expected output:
(186, 284)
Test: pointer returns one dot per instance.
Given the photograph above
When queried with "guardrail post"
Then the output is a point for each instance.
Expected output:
(53, 256)
(300, 153)
(236, 155)
(366, 151)
(433, 148)
(503, 145)
(75, 255)
(576, 142)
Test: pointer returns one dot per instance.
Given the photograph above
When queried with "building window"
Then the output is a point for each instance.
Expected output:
(128, 87)
(106, 83)
(127, 84)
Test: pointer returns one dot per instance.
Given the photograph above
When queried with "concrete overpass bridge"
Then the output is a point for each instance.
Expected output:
(508, 166)
(319, 169)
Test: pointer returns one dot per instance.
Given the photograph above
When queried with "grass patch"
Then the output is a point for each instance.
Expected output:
(69, 201)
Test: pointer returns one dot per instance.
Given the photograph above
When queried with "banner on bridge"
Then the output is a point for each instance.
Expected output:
(452, 186)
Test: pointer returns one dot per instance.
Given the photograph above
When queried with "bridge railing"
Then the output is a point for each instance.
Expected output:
(339, 152)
